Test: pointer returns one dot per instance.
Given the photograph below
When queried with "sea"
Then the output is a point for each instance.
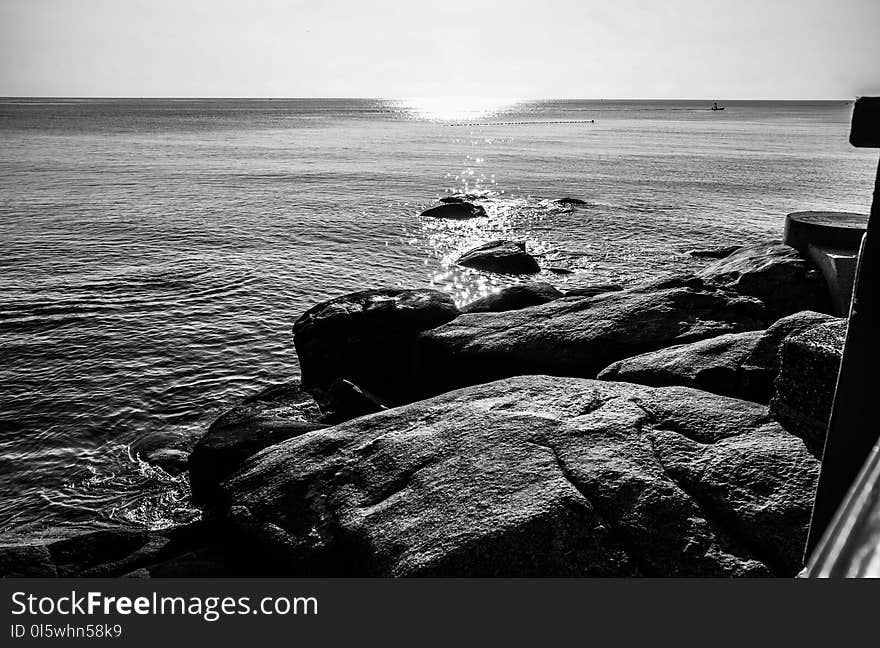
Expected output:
(154, 253)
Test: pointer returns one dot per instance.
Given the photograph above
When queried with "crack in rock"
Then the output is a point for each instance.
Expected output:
(718, 519)
(618, 534)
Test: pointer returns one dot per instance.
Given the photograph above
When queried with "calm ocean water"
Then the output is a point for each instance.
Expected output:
(154, 254)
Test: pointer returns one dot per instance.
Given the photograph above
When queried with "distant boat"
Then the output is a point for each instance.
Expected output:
(715, 107)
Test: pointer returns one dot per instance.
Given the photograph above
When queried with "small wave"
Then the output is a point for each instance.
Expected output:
(149, 293)
(134, 493)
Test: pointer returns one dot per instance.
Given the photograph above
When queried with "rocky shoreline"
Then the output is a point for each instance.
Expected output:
(671, 428)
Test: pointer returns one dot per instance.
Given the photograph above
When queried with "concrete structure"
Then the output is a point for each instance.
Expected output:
(830, 240)
(843, 537)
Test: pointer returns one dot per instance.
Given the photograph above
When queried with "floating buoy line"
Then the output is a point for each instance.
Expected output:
(526, 123)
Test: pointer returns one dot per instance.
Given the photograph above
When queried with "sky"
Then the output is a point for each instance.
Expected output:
(726, 49)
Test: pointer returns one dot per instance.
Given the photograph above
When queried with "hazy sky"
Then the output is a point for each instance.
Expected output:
(414, 48)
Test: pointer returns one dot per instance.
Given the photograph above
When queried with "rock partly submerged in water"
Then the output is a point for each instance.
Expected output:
(459, 210)
(514, 298)
(166, 450)
(715, 253)
(574, 202)
(271, 416)
(579, 336)
(741, 365)
(368, 338)
(804, 389)
(535, 476)
(501, 257)
(774, 273)
(275, 414)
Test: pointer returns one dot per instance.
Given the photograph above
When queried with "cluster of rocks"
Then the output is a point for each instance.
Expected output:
(498, 256)
(666, 429)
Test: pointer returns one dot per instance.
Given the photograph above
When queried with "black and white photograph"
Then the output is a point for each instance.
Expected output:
(459, 289)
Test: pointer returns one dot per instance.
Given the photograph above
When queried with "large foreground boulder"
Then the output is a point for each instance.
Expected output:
(581, 336)
(774, 273)
(535, 476)
(804, 389)
(501, 257)
(741, 365)
(367, 338)
(514, 298)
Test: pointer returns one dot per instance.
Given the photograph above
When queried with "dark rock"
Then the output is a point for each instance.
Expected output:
(715, 253)
(804, 389)
(776, 274)
(346, 401)
(536, 476)
(514, 298)
(273, 415)
(576, 336)
(455, 210)
(768, 351)
(26, 561)
(104, 553)
(451, 199)
(214, 561)
(368, 338)
(171, 460)
(742, 365)
(714, 365)
(570, 201)
(592, 290)
(502, 257)
(559, 271)
(165, 449)
(194, 550)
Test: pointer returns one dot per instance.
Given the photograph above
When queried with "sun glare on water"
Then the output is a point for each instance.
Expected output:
(456, 108)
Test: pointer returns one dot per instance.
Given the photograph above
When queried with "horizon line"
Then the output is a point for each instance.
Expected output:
(390, 98)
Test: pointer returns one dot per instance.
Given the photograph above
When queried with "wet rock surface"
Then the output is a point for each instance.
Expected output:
(455, 209)
(500, 257)
(535, 476)
(568, 200)
(166, 449)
